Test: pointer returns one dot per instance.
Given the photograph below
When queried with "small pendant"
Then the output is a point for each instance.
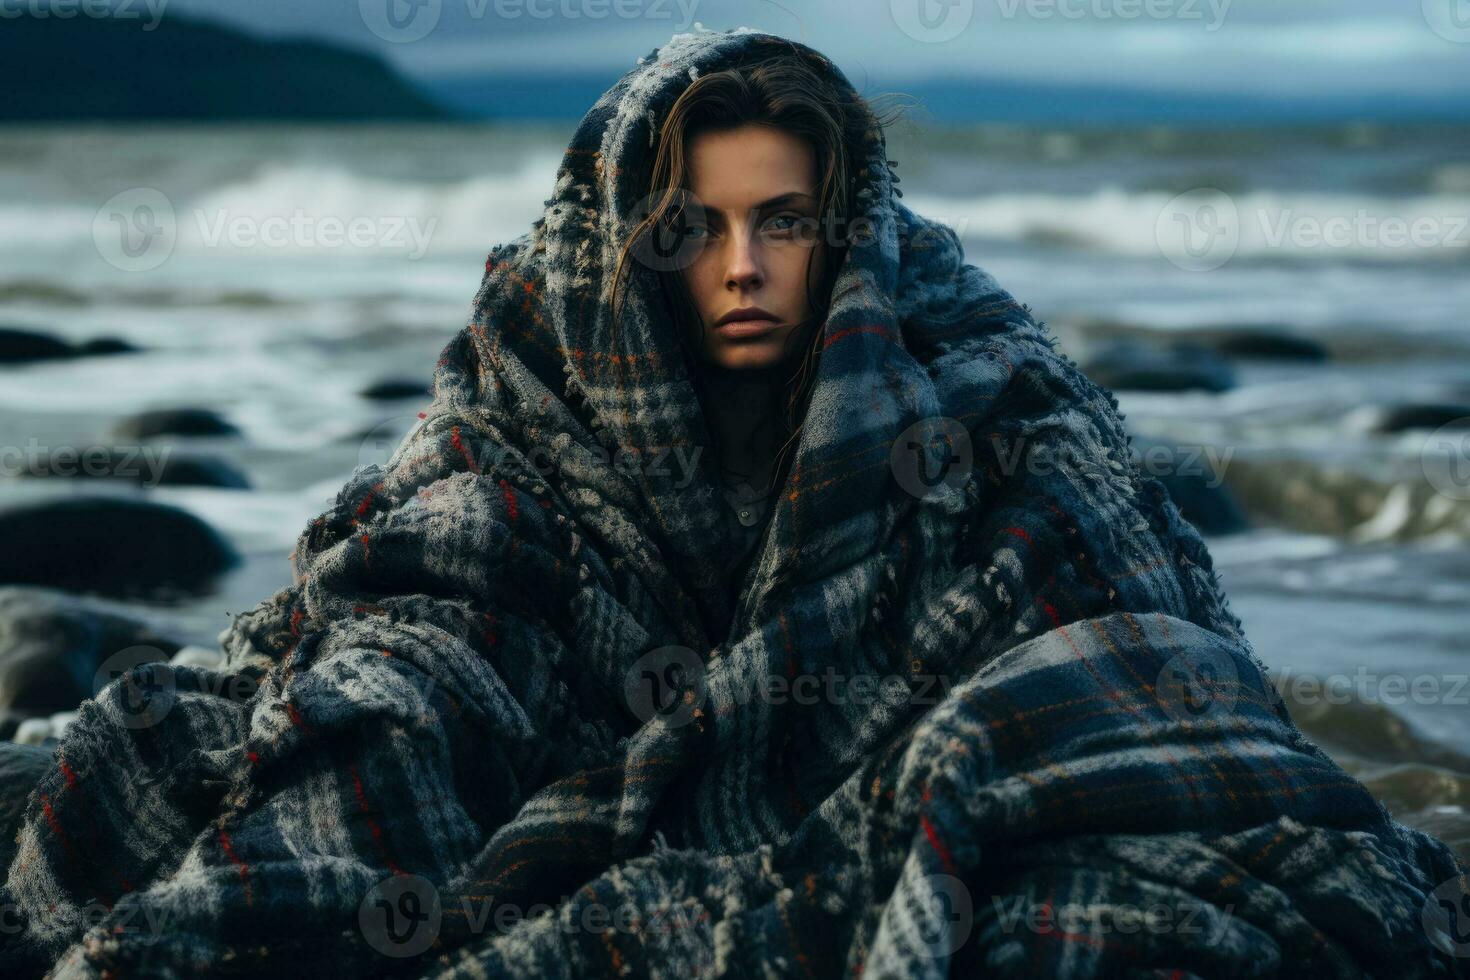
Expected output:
(746, 503)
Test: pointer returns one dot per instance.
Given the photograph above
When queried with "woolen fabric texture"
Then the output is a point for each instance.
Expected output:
(448, 703)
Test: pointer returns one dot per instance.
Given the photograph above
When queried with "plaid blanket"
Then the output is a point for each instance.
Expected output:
(981, 702)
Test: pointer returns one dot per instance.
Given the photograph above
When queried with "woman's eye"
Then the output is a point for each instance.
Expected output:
(690, 228)
(794, 220)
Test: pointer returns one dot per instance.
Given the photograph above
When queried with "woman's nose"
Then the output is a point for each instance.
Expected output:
(742, 267)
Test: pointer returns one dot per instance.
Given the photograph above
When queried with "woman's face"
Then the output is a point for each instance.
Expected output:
(754, 212)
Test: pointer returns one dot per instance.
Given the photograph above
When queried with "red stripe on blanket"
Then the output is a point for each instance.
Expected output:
(850, 331)
(240, 866)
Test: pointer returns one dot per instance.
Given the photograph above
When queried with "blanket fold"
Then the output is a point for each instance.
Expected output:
(982, 703)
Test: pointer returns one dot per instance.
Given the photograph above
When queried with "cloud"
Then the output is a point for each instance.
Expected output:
(1249, 46)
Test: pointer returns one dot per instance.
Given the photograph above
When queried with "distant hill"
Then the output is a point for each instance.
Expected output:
(969, 99)
(88, 68)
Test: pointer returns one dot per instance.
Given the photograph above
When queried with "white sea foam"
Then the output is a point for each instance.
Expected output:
(1262, 224)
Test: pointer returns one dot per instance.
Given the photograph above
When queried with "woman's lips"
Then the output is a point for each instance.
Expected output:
(747, 328)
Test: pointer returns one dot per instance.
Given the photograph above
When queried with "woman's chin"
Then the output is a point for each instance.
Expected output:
(769, 351)
(746, 357)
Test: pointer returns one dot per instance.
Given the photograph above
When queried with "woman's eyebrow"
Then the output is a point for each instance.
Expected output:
(782, 199)
(768, 203)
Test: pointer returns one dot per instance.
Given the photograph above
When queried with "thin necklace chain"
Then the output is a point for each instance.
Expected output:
(737, 484)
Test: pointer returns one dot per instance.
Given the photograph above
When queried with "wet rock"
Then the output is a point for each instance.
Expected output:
(111, 546)
(1270, 344)
(21, 346)
(387, 389)
(175, 422)
(134, 465)
(9, 722)
(1424, 416)
(105, 345)
(21, 768)
(1195, 487)
(1129, 365)
(53, 643)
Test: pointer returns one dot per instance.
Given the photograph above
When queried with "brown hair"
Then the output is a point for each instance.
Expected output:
(786, 93)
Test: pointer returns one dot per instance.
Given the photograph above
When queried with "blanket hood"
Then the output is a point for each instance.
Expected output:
(546, 296)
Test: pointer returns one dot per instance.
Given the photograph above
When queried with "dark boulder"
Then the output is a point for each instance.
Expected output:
(21, 768)
(105, 345)
(174, 422)
(1130, 365)
(21, 346)
(387, 389)
(1193, 483)
(1274, 345)
(1424, 416)
(169, 469)
(52, 645)
(9, 723)
(111, 546)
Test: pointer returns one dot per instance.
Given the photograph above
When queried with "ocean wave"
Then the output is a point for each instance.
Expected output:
(1317, 497)
(1252, 225)
(460, 215)
(304, 210)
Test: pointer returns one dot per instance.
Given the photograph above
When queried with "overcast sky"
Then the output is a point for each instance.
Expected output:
(1271, 46)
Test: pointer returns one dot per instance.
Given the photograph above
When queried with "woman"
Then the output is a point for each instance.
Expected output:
(750, 192)
(521, 713)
